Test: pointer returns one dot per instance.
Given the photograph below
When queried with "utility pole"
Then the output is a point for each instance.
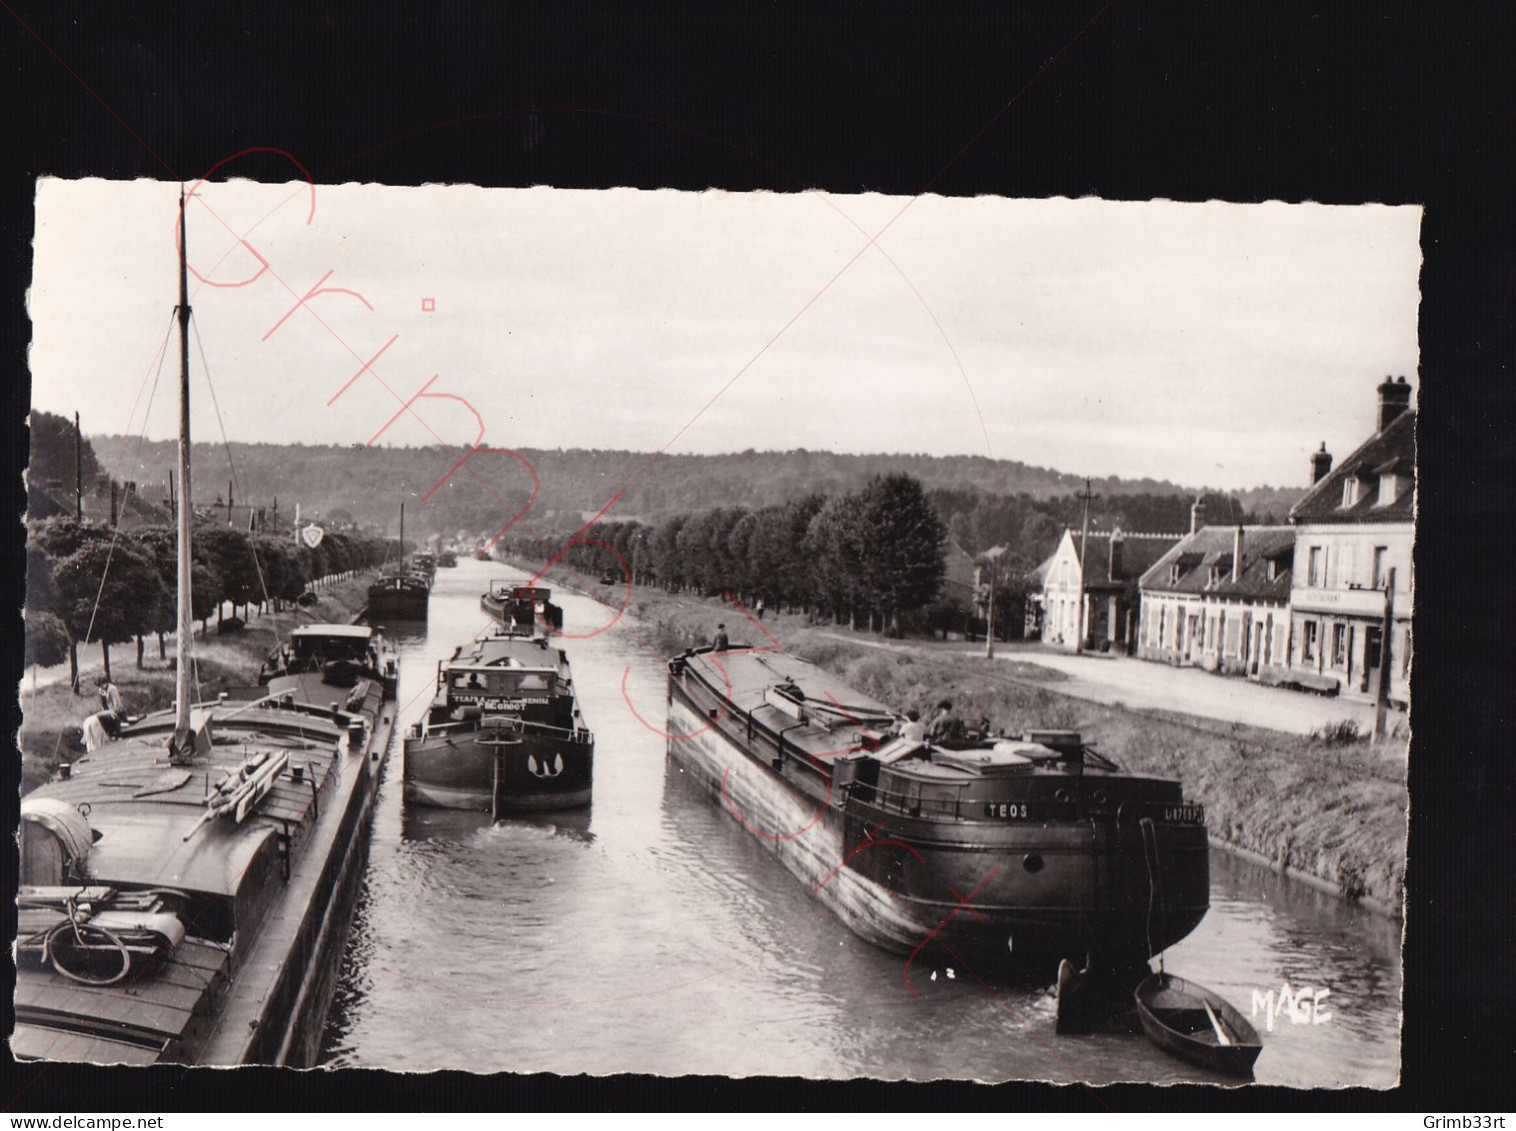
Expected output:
(78, 472)
(1087, 496)
(228, 502)
(1382, 692)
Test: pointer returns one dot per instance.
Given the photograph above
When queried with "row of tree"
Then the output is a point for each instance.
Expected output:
(368, 482)
(88, 583)
(870, 554)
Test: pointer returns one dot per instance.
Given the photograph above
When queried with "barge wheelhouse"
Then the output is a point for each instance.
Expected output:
(1027, 849)
(521, 608)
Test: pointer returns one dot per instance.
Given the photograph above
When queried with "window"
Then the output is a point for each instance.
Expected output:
(1313, 569)
(1340, 645)
(1351, 491)
(1163, 615)
(1308, 640)
(1405, 653)
(1380, 554)
(1174, 574)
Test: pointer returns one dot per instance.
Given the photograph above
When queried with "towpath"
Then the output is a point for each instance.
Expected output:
(1145, 686)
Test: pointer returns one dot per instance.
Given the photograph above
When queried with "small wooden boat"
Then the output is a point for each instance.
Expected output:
(1196, 1024)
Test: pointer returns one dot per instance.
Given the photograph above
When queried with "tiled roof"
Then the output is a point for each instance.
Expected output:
(1210, 550)
(1392, 451)
(1138, 552)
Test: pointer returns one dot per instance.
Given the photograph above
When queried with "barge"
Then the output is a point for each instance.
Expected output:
(504, 733)
(186, 888)
(1006, 854)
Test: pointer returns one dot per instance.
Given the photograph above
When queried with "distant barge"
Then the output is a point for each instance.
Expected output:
(1008, 854)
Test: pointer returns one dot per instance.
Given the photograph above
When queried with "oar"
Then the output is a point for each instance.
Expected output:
(1215, 1024)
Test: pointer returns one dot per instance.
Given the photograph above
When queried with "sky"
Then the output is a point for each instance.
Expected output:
(1212, 345)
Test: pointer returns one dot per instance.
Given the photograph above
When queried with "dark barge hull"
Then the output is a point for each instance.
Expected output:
(458, 771)
(1005, 898)
(397, 604)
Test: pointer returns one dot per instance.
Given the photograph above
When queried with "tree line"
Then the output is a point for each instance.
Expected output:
(89, 583)
(369, 482)
(863, 556)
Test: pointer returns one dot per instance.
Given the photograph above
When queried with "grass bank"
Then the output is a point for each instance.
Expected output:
(1333, 813)
(51, 717)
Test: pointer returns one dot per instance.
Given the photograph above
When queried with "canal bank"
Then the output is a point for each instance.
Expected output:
(651, 934)
(52, 715)
(1330, 813)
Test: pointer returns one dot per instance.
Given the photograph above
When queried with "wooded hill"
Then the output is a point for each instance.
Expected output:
(367, 485)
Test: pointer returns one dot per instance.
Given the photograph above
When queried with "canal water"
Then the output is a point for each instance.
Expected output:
(651, 934)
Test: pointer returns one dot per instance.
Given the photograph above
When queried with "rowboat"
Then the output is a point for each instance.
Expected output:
(1196, 1024)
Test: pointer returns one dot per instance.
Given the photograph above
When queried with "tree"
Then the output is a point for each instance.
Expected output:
(109, 593)
(52, 454)
(42, 600)
(47, 640)
(901, 539)
(230, 555)
(834, 550)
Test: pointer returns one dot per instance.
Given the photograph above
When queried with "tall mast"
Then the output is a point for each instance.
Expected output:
(182, 745)
(402, 532)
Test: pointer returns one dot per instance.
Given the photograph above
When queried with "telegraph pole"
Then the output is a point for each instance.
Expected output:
(78, 472)
(1084, 537)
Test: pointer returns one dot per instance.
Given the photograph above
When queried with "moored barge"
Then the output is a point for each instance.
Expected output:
(402, 594)
(1007, 854)
(186, 887)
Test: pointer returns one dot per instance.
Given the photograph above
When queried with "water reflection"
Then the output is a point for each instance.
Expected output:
(650, 934)
(418, 822)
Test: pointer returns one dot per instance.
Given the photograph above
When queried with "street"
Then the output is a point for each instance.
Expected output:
(1159, 687)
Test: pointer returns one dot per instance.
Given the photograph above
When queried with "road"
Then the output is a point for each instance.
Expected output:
(1159, 687)
(1146, 686)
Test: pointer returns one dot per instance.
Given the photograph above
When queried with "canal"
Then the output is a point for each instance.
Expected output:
(650, 934)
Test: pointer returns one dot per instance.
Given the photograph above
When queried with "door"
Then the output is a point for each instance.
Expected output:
(1373, 656)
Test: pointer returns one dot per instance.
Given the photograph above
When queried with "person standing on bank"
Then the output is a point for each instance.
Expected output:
(720, 643)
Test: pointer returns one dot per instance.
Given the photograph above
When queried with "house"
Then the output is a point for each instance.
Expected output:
(1220, 600)
(1352, 583)
(1106, 592)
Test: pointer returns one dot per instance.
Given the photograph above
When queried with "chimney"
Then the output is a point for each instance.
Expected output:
(1394, 399)
(1237, 553)
(1197, 514)
(1321, 464)
(1116, 541)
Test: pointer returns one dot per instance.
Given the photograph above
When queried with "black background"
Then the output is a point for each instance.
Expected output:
(1336, 101)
